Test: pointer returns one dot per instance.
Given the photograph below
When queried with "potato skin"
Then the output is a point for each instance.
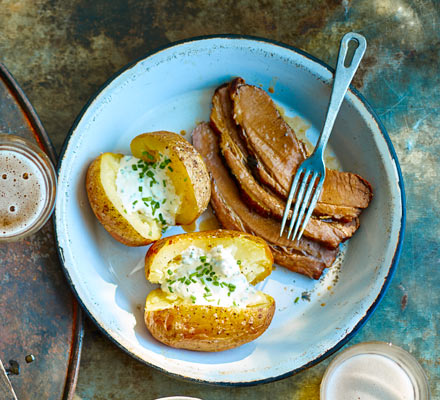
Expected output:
(103, 208)
(190, 177)
(208, 328)
(178, 323)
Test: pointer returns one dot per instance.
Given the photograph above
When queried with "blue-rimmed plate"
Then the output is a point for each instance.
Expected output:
(171, 89)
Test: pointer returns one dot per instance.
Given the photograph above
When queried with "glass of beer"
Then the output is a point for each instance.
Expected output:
(374, 371)
(27, 188)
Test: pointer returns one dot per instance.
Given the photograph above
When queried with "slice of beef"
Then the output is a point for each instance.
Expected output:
(223, 121)
(273, 142)
(306, 256)
(262, 200)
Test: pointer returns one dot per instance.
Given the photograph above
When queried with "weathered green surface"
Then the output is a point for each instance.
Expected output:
(61, 52)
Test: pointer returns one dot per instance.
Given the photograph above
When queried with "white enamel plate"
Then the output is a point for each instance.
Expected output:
(171, 89)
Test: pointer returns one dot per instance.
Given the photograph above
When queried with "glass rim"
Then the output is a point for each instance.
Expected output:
(45, 166)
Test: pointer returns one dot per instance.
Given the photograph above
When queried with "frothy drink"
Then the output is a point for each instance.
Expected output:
(27, 188)
(369, 377)
(22, 193)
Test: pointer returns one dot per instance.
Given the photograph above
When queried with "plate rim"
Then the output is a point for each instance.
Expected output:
(391, 150)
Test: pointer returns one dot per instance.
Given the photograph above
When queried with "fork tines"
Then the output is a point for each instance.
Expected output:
(304, 178)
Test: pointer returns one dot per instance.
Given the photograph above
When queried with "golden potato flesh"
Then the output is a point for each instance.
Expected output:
(189, 176)
(177, 322)
(250, 248)
(206, 328)
(129, 229)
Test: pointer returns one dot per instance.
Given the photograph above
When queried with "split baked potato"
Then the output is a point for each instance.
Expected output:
(220, 309)
(163, 160)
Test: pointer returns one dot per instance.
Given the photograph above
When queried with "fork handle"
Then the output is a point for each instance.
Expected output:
(343, 77)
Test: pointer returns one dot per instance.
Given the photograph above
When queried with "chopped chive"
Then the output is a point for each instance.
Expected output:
(296, 300)
(170, 169)
(207, 289)
(202, 280)
(164, 183)
(234, 303)
(209, 279)
(215, 283)
(134, 202)
(170, 272)
(193, 298)
(164, 201)
(239, 262)
(134, 167)
(188, 282)
(146, 153)
(140, 188)
(203, 258)
(170, 289)
(199, 267)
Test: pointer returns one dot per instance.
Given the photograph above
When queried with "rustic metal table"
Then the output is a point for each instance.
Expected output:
(61, 52)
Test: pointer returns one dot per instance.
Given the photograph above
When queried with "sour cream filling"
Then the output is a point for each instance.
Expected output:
(144, 187)
(209, 278)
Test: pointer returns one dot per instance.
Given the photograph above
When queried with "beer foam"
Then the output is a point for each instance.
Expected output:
(369, 377)
(22, 193)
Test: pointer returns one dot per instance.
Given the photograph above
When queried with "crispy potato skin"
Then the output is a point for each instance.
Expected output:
(190, 176)
(112, 220)
(180, 324)
(208, 328)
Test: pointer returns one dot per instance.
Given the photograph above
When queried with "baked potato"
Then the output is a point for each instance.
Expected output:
(206, 301)
(136, 197)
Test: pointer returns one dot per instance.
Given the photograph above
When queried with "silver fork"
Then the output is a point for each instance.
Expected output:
(313, 168)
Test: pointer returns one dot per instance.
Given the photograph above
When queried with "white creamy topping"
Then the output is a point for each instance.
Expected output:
(209, 278)
(145, 188)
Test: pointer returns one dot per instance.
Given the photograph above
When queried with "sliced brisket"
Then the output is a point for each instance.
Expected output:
(306, 256)
(272, 142)
(258, 197)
